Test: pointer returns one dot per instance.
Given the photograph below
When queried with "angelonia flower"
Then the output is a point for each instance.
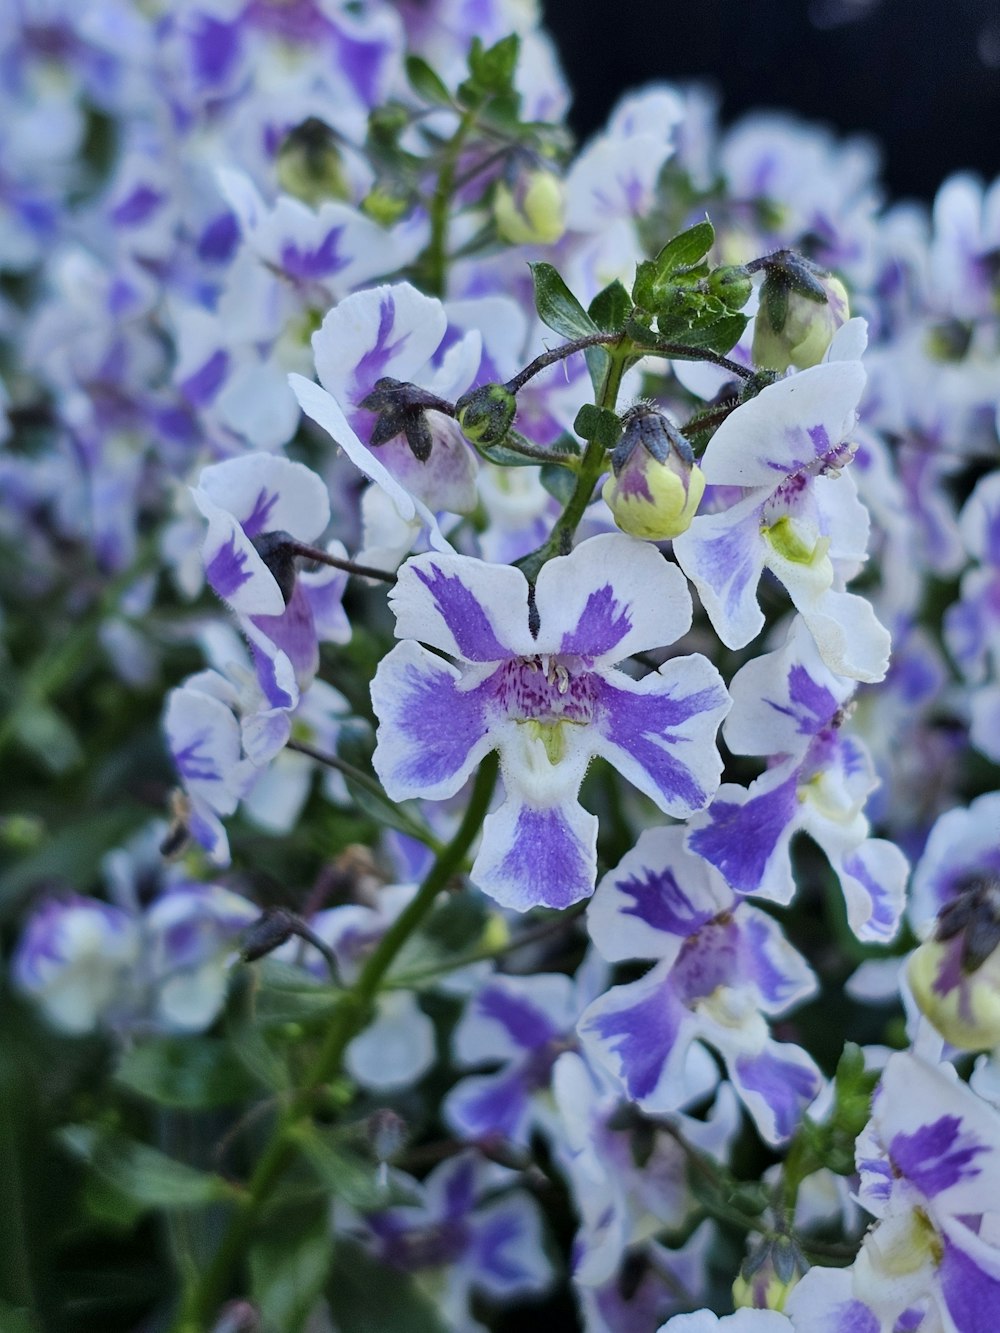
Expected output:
(515, 536)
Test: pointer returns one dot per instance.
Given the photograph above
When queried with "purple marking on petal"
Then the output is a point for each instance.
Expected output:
(214, 48)
(709, 960)
(820, 437)
(772, 983)
(219, 239)
(885, 907)
(877, 1178)
(908, 1322)
(603, 623)
(785, 1086)
(295, 634)
(523, 1021)
(496, 1105)
(226, 571)
(813, 704)
(972, 1296)
(360, 62)
(661, 902)
(465, 617)
(640, 724)
(502, 1227)
(373, 364)
(136, 207)
(853, 1317)
(740, 839)
(201, 387)
(195, 766)
(932, 1156)
(260, 515)
(276, 695)
(546, 860)
(642, 1036)
(460, 1189)
(322, 262)
(442, 723)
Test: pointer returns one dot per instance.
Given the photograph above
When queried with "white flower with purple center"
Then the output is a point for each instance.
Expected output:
(789, 706)
(723, 968)
(793, 513)
(534, 680)
(929, 1163)
(253, 505)
(392, 334)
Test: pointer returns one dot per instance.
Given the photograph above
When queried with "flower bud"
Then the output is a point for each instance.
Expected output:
(533, 212)
(309, 165)
(486, 415)
(655, 486)
(383, 206)
(732, 285)
(768, 1275)
(955, 976)
(795, 329)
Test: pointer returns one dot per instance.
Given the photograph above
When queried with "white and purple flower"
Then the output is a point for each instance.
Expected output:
(536, 683)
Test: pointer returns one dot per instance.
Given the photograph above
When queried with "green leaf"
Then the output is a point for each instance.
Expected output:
(343, 1171)
(145, 1176)
(598, 423)
(289, 1267)
(720, 336)
(283, 994)
(368, 1297)
(43, 730)
(185, 1072)
(426, 82)
(73, 855)
(258, 1057)
(503, 456)
(558, 481)
(491, 69)
(557, 306)
(611, 307)
(686, 250)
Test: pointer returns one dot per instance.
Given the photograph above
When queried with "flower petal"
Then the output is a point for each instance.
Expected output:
(267, 493)
(723, 555)
(745, 834)
(535, 856)
(470, 609)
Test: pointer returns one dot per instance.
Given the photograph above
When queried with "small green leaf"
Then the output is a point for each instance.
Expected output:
(599, 424)
(368, 1297)
(685, 250)
(558, 481)
(557, 306)
(146, 1177)
(611, 307)
(719, 336)
(189, 1072)
(426, 82)
(503, 456)
(258, 1057)
(491, 69)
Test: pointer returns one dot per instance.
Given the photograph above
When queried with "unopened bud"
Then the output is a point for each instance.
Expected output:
(533, 212)
(955, 977)
(732, 285)
(487, 414)
(309, 164)
(655, 485)
(384, 206)
(768, 1275)
(793, 328)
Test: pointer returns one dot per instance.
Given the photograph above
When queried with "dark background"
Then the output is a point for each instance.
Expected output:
(921, 76)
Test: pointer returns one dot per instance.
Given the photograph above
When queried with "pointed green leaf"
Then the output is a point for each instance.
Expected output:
(190, 1072)
(557, 306)
(611, 307)
(426, 82)
(368, 1297)
(685, 250)
(144, 1175)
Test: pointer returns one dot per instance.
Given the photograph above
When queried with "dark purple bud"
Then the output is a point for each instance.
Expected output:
(277, 550)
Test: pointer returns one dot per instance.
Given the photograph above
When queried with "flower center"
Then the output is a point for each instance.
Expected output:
(547, 689)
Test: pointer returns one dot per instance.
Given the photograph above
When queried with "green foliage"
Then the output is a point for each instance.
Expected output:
(193, 1073)
(368, 1297)
(425, 82)
(289, 1265)
(557, 307)
(598, 423)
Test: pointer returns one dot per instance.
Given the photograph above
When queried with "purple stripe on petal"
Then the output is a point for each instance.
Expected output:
(972, 1296)
(136, 207)
(295, 634)
(195, 766)
(360, 63)
(226, 571)
(813, 704)
(661, 902)
(525, 1023)
(786, 1087)
(464, 615)
(739, 840)
(772, 983)
(214, 48)
(277, 696)
(460, 1188)
(641, 724)
(321, 262)
(546, 860)
(490, 1105)
(643, 1036)
(709, 961)
(219, 239)
(201, 387)
(441, 723)
(259, 517)
(603, 623)
(932, 1156)
(372, 365)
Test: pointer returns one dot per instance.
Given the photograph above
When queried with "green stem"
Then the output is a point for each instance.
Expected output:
(202, 1299)
(435, 258)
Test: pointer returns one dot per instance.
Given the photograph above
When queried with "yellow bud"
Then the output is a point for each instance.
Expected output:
(535, 213)
(651, 500)
(963, 1006)
(807, 330)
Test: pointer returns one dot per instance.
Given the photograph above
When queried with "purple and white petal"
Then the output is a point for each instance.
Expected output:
(233, 569)
(851, 639)
(383, 331)
(537, 855)
(640, 1033)
(432, 734)
(204, 739)
(324, 590)
(396, 1049)
(507, 1256)
(777, 1083)
(723, 555)
(969, 1274)
(447, 479)
(745, 833)
(472, 610)
(610, 597)
(786, 427)
(658, 896)
(267, 493)
(659, 732)
(486, 1106)
(873, 878)
(511, 1016)
(779, 974)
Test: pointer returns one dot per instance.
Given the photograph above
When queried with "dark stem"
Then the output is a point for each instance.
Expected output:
(348, 566)
(558, 354)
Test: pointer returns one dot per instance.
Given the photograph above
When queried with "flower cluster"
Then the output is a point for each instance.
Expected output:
(510, 541)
